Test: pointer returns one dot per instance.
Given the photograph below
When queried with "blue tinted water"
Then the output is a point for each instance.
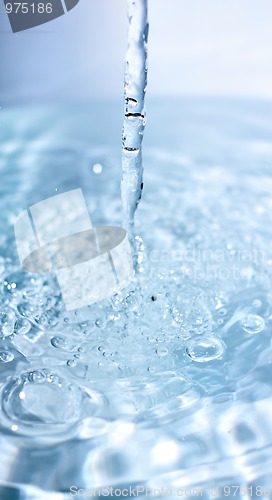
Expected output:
(168, 383)
(135, 83)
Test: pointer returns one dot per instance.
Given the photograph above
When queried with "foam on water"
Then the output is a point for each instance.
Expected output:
(169, 381)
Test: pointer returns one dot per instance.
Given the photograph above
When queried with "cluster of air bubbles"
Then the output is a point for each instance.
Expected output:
(179, 316)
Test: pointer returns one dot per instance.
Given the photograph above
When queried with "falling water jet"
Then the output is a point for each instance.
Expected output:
(134, 120)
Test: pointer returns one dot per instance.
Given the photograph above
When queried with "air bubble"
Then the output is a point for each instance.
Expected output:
(204, 349)
(72, 363)
(162, 352)
(257, 303)
(97, 168)
(22, 326)
(18, 283)
(37, 377)
(26, 310)
(7, 322)
(6, 357)
(252, 323)
(61, 343)
(48, 319)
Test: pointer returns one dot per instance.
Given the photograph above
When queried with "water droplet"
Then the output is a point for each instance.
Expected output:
(6, 356)
(97, 168)
(48, 319)
(72, 363)
(257, 303)
(100, 322)
(26, 310)
(204, 349)
(252, 323)
(162, 352)
(61, 343)
(7, 322)
(37, 376)
(22, 326)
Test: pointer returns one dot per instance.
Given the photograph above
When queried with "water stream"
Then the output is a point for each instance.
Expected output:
(134, 121)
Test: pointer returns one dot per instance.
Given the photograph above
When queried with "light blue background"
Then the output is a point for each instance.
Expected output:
(213, 47)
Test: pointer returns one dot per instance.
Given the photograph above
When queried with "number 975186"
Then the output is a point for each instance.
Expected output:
(25, 8)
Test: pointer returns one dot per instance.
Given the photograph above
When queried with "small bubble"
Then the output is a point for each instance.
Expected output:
(37, 376)
(22, 326)
(204, 349)
(7, 322)
(100, 322)
(26, 309)
(61, 343)
(54, 379)
(6, 356)
(162, 352)
(47, 319)
(252, 323)
(72, 363)
(257, 303)
(97, 168)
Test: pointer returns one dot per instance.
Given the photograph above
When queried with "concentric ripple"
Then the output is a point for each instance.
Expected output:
(41, 401)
